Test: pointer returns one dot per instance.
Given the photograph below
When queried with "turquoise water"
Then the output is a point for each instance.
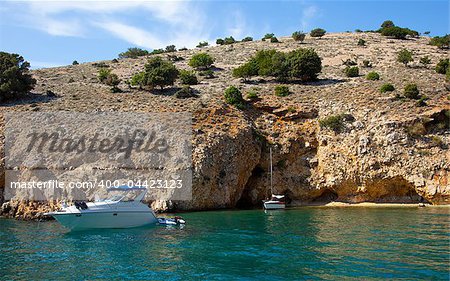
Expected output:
(306, 243)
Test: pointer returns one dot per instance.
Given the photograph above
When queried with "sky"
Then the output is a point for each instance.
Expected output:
(54, 33)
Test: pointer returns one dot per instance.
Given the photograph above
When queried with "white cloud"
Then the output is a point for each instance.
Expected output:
(238, 25)
(308, 14)
(43, 64)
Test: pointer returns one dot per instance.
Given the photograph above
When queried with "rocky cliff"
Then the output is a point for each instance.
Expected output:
(388, 149)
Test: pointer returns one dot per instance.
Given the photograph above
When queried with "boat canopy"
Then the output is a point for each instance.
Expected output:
(278, 196)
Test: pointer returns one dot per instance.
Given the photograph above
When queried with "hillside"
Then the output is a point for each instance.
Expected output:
(389, 150)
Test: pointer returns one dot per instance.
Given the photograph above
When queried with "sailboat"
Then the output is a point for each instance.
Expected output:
(276, 201)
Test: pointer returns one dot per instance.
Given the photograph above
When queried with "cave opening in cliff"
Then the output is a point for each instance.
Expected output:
(247, 201)
(327, 196)
(393, 190)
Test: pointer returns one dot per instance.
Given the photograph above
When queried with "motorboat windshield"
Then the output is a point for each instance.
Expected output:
(126, 194)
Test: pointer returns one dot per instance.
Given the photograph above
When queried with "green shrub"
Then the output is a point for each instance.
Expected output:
(394, 31)
(411, 91)
(317, 32)
(404, 56)
(75, 62)
(157, 52)
(268, 36)
(15, 79)
(183, 49)
(229, 40)
(138, 79)
(188, 77)
(361, 42)
(302, 64)
(298, 36)
(367, 63)
(202, 44)
(174, 58)
(422, 101)
(234, 97)
(387, 23)
(352, 71)
(247, 39)
(442, 66)
(201, 61)
(133, 53)
(387, 88)
(185, 92)
(208, 73)
(349, 62)
(157, 72)
(274, 40)
(282, 91)
(333, 122)
(373, 76)
(252, 95)
(112, 80)
(220, 41)
(246, 70)
(170, 49)
(441, 42)
(103, 74)
(425, 60)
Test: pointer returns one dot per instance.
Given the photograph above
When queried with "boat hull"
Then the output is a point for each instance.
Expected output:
(274, 205)
(92, 220)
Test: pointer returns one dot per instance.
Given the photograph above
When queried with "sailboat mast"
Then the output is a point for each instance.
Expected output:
(271, 172)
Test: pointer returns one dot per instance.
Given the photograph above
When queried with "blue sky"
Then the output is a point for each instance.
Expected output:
(52, 33)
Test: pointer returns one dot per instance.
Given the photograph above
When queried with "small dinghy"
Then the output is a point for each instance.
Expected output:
(171, 221)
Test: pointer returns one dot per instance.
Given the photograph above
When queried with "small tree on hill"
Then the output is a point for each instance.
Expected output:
(201, 61)
(298, 36)
(404, 56)
(15, 79)
(157, 72)
(387, 23)
(171, 48)
(133, 53)
(317, 32)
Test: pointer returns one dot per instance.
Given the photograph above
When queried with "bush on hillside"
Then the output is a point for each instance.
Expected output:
(425, 60)
(352, 71)
(298, 36)
(170, 49)
(220, 41)
(103, 74)
(333, 122)
(247, 39)
(234, 97)
(202, 44)
(188, 77)
(274, 40)
(441, 42)
(15, 79)
(229, 40)
(317, 32)
(201, 61)
(157, 72)
(361, 42)
(75, 62)
(442, 66)
(113, 81)
(387, 88)
(373, 76)
(268, 36)
(404, 56)
(157, 52)
(367, 63)
(304, 64)
(133, 53)
(185, 92)
(247, 70)
(387, 23)
(282, 91)
(411, 91)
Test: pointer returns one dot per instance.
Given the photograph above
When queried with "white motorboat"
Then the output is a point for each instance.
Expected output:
(171, 221)
(276, 201)
(121, 210)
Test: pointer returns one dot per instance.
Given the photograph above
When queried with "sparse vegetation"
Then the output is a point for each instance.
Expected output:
(387, 88)
(188, 77)
(298, 36)
(234, 97)
(405, 57)
(157, 52)
(75, 62)
(387, 24)
(349, 62)
(274, 40)
(247, 39)
(367, 63)
(138, 79)
(15, 79)
(268, 36)
(425, 60)
(442, 66)
(373, 76)
(282, 91)
(185, 92)
(133, 53)
(317, 32)
(252, 95)
(103, 74)
(229, 40)
(220, 41)
(202, 44)
(411, 91)
(201, 61)
(352, 71)
(388, 28)
(247, 70)
(361, 42)
(441, 42)
(207, 73)
(333, 122)
(113, 81)
(170, 49)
